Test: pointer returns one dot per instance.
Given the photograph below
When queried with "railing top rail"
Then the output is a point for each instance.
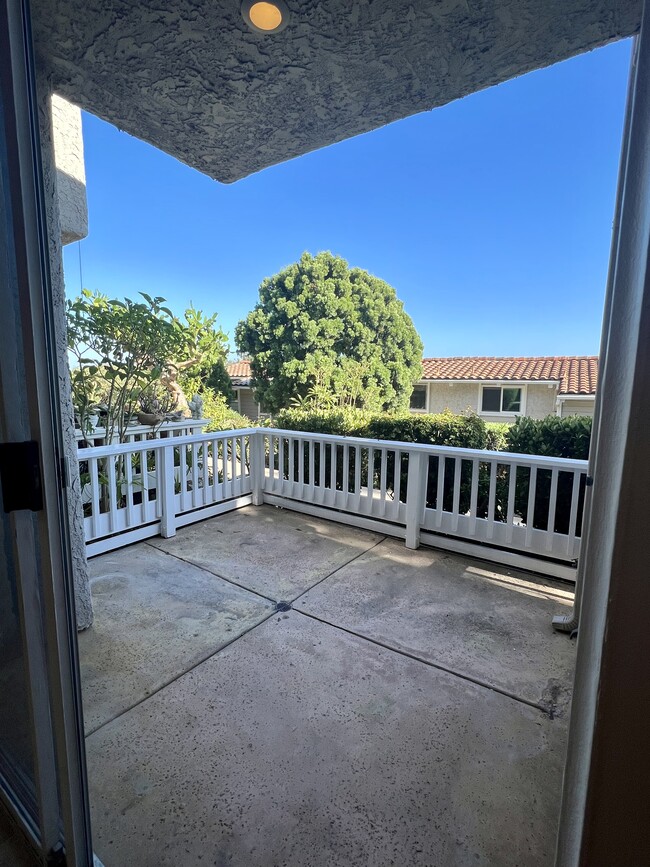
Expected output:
(158, 444)
(567, 464)
(136, 429)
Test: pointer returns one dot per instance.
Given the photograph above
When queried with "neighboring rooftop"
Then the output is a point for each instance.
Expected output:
(576, 374)
(239, 372)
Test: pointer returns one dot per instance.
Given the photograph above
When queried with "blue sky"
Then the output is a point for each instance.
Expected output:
(491, 216)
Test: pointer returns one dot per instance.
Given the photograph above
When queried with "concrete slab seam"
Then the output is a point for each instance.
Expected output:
(212, 572)
(191, 668)
(545, 710)
(338, 569)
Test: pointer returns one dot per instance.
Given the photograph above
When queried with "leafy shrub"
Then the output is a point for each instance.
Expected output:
(443, 429)
(496, 435)
(341, 422)
(553, 436)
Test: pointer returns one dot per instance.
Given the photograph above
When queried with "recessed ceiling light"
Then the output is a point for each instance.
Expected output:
(265, 16)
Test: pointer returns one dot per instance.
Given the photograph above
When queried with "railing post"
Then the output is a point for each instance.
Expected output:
(167, 494)
(415, 495)
(258, 459)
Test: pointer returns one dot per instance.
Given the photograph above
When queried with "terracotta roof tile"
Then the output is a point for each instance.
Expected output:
(239, 368)
(576, 374)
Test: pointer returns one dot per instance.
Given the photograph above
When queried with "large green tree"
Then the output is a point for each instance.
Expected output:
(319, 319)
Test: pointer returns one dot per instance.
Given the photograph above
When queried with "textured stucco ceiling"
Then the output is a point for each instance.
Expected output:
(189, 77)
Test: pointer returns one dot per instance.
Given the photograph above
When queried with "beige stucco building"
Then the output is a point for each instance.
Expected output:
(500, 389)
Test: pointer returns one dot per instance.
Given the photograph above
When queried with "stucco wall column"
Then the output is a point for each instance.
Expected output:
(80, 566)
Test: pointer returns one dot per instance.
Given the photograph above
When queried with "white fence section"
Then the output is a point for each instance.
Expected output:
(520, 510)
(136, 490)
(136, 433)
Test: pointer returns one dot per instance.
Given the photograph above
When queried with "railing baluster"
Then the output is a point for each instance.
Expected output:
(194, 456)
(370, 481)
(233, 463)
(530, 514)
(279, 440)
(310, 465)
(573, 516)
(440, 493)
(456, 498)
(182, 474)
(93, 472)
(321, 470)
(290, 445)
(145, 485)
(128, 480)
(112, 494)
(357, 472)
(552, 503)
(397, 478)
(383, 469)
(492, 497)
(223, 451)
(165, 494)
(473, 498)
(512, 485)
(215, 470)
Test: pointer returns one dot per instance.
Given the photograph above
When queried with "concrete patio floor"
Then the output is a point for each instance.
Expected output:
(411, 707)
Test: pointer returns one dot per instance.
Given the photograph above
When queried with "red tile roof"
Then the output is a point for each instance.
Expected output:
(575, 374)
(239, 369)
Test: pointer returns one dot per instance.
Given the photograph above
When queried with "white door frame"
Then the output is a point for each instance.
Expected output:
(30, 411)
(604, 813)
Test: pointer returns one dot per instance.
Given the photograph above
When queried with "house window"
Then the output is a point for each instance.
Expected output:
(419, 397)
(499, 399)
(234, 403)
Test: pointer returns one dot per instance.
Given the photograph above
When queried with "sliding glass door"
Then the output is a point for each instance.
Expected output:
(42, 765)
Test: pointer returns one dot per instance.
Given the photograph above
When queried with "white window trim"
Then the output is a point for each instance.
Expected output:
(502, 385)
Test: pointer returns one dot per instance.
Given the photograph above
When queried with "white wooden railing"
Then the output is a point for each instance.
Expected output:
(138, 432)
(520, 510)
(136, 490)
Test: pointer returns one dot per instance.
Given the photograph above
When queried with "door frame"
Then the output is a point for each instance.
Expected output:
(45, 579)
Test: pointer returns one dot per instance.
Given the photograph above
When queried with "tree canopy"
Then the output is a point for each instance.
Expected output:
(323, 327)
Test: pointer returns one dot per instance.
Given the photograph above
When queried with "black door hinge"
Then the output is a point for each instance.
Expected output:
(20, 476)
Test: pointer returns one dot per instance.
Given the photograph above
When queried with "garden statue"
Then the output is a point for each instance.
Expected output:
(196, 406)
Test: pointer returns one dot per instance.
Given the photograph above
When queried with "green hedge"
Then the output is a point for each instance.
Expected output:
(552, 436)
(496, 434)
(344, 422)
(445, 429)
